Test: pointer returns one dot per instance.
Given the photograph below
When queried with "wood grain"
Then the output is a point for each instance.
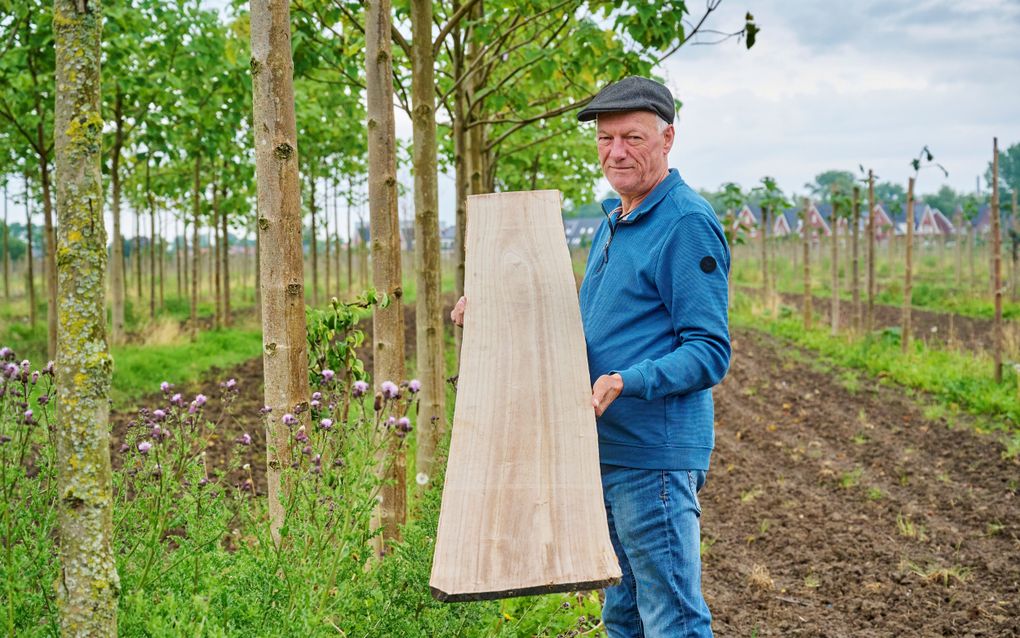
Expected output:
(522, 509)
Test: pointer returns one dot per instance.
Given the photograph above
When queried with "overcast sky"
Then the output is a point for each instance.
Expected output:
(832, 85)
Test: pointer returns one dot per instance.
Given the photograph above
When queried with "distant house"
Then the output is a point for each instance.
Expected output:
(930, 221)
(816, 219)
(580, 230)
(781, 226)
(747, 219)
(447, 239)
(884, 226)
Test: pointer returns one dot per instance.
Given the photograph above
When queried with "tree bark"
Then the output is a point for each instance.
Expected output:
(162, 260)
(281, 265)
(30, 275)
(388, 323)
(329, 292)
(429, 303)
(88, 586)
(765, 280)
(49, 253)
(138, 255)
(835, 264)
(7, 252)
(959, 251)
(313, 240)
(117, 332)
(225, 252)
(806, 241)
(195, 211)
(908, 274)
(869, 318)
(152, 242)
(996, 264)
(214, 255)
(855, 278)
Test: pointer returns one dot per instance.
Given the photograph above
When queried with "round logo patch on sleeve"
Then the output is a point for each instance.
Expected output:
(707, 264)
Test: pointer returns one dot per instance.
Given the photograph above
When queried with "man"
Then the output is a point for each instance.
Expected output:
(654, 309)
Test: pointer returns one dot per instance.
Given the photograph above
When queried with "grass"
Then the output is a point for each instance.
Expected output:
(959, 380)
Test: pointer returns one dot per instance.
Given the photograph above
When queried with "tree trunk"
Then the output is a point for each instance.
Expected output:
(152, 242)
(806, 242)
(869, 318)
(835, 265)
(329, 292)
(388, 323)
(996, 264)
(225, 242)
(88, 585)
(162, 260)
(178, 256)
(313, 240)
(195, 211)
(117, 334)
(49, 252)
(138, 256)
(959, 251)
(214, 256)
(908, 274)
(350, 249)
(281, 266)
(1013, 280)
(429, 302)
(855, 276)
(7, 252)
(765, 288)
(30, 275)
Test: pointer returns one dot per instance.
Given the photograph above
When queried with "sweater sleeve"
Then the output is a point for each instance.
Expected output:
(691, 276)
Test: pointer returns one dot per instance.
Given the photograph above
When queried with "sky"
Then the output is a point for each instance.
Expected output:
(835, 85)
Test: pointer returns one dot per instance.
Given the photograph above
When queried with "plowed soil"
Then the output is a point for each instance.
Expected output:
(834, 507)
(845, 512)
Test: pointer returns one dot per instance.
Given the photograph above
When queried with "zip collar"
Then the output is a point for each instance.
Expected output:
(611, 206)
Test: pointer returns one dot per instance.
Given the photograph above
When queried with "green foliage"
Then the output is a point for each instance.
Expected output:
(822, 188)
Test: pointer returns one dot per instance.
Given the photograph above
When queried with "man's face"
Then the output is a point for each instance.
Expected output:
(632, 151)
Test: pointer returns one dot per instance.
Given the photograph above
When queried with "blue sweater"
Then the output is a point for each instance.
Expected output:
(654, 309)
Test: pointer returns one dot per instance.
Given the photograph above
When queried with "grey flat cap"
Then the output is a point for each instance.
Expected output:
(631, 94)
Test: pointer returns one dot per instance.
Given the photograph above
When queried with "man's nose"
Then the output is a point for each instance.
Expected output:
(618, 150)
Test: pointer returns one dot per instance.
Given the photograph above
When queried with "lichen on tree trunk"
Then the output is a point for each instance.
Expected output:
(88, 586)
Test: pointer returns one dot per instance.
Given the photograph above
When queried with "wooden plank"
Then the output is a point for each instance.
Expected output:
(522, 509)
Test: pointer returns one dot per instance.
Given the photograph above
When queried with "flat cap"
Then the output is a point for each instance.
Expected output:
(631, 94)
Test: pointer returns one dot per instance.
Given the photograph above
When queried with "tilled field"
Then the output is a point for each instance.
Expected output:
(845, 512)
(834, 507)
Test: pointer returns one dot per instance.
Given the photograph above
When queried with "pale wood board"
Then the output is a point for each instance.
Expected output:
(522, 509)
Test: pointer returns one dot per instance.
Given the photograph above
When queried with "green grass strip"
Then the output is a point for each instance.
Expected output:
(139, 369)
(963, 380)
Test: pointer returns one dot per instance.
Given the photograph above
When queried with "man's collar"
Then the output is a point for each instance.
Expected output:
(667, 184)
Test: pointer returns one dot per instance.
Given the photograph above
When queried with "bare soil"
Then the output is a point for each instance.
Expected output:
(814, 494)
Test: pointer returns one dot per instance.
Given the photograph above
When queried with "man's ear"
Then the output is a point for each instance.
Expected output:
(669, 133)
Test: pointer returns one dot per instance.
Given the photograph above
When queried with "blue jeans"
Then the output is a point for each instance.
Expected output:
(655, 528)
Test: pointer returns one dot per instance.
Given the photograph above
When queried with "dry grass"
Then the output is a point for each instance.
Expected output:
(759, 578)
(162, 332)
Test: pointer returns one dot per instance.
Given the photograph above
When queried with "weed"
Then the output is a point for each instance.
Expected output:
(751, 494)
(935, 411)
(875, 494)
(759, 578)
(706, 545)
(943, 575)
(909, 529)
(763, 526)
(994, 528)
(850, 479)
(850, 381)
(859, 439)
(812, 582)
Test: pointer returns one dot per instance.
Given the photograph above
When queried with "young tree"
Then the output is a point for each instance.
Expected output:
(806, 232)
(926, 157)
(285, 358)
(88, 587)
(996, 264)
(771, 199)
(387, 322)
(732, 198)
(869, 317)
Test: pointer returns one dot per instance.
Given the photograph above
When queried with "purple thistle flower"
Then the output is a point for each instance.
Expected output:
(156, 433)
(165, 387)
(144, 447)
(177, 399)
(389, 390)
(414, 386)
(328, 375)
(316, 396)
(157, 471)
(200, 400)
(390, 422)
(360, 388)
(265, 410)
(43, 399)
(4, 439)
(5, 352)
(29, 417)
(49, 368)
(315, 403)
(289, 420)
(404, 424)
(10, 370)
(301, 436)
(231, 384)
(124, 447)
(159, 414)
(35, 377)
(326, 424)
(317, 459)
(307, 450)
(202, 482)
(244, 439)
(25, 365)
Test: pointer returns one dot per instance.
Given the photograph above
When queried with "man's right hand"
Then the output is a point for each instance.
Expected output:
(457, 315)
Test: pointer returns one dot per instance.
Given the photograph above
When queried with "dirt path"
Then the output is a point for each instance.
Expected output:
(810, 501)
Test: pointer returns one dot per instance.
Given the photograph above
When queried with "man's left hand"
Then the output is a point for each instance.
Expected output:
(606, 389)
